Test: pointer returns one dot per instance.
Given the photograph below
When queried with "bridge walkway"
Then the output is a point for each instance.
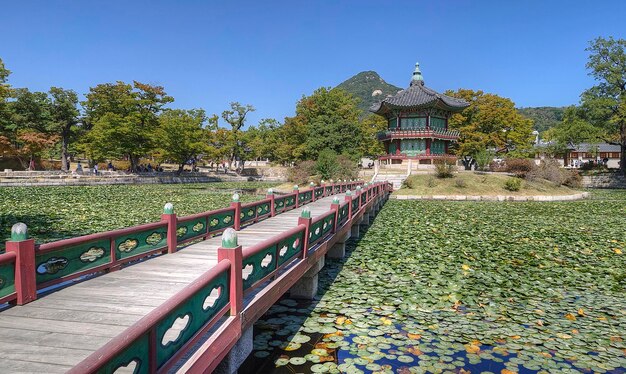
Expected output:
(57, 331)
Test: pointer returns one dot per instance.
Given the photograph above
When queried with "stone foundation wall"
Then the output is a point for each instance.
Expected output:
(67, 179)
(604, 181)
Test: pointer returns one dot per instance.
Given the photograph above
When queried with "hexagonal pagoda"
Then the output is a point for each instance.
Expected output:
(417, 123)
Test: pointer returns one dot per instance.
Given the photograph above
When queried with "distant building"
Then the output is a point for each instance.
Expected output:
(608, 154)
(417, 123)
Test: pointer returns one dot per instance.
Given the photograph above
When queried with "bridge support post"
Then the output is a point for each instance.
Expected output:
(238, 354)
(338, 250)
(306, 287)
(355, 232)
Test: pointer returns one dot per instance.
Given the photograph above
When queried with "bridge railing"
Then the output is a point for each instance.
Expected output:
(321, 227)
(264, 260)
(33, 267)
(7, 277)
(159, 340)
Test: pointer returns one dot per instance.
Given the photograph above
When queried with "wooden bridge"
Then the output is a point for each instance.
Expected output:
(170, 296)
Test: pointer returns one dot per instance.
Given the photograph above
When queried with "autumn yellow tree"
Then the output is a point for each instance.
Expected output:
(491, 121)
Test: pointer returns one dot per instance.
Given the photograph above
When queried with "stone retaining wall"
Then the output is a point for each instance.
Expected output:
(91, 180)
(604, 181)
(577, 196)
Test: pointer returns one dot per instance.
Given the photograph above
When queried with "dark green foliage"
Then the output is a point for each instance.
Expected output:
(326, 164)
(513, 184)
(363, 85)
(544, 117)
(465, 286)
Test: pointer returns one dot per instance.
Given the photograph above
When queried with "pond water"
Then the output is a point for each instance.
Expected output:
(426, 292)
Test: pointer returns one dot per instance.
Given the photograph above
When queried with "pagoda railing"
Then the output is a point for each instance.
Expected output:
(419, 132)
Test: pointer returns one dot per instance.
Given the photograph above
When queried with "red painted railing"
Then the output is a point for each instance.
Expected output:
(154, 344)
(433, 133)
(40, 266)
(266, 256)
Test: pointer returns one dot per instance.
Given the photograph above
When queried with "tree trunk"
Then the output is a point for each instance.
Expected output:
(622, 143)
(133, 162)
(180, 168)
(64, 164)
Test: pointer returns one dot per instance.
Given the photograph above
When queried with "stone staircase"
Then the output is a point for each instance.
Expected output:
(396, 178)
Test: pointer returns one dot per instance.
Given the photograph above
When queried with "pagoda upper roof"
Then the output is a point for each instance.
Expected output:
(418, 96)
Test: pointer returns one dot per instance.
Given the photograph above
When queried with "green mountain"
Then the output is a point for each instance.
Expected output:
(545, 117)
(369, 88)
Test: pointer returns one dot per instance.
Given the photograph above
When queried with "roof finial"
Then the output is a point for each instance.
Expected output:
(417, 75)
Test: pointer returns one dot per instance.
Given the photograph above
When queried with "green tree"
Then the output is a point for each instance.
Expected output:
(491, 121)
(370, 127)
(236, 118)
(573, 130)
(63, 118)
(262, 139)
(604, 105)
(331, 119)
(5, 93)
(182, 136)
(28, 130)
(326, 164)
(122, 120)
(290, 141)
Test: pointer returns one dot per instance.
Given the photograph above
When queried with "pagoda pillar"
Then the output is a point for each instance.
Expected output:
(428, 141)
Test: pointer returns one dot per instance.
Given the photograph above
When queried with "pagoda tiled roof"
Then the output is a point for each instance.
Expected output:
(419, 96)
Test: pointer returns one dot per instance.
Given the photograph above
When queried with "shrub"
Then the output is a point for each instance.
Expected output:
(346, 168)
(430, 182)
(445, 168)
(460, 183)
(519, 166)
(549, 170)
(513, 184)
(497, 166)
(573, 179)
(300, 173)
(327, 164)
(484, 159)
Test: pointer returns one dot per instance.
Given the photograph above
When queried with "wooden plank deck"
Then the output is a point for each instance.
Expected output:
(60, 329)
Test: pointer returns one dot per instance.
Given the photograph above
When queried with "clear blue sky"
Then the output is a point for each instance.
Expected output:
(270, 53)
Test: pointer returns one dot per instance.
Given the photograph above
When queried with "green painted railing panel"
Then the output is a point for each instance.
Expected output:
(69, 260)
(247, 214)
(328, 224)
(279, 204)
(290, 201)
(263, 209)
(196, 312)
(337, 189)
(267, 255)
(191, 229)
(355, 205)
(134, 359)
(289, 247)
(222, 220)
(140, 242)
(7, 279)
(343, 215)
(315, 232)
(329, 190)
(319, 192)
(363, 198)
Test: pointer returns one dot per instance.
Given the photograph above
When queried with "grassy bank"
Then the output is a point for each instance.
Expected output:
(473, 184)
